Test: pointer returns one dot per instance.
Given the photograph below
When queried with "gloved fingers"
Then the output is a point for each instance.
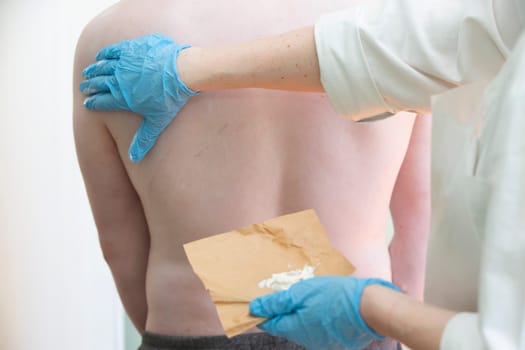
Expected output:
(278, 326)
(103, 67)
(104, 101)
(97, 85)
(143, 141)
(272, 305)
(112, 51)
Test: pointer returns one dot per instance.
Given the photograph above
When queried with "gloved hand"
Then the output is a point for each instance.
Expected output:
(319, 313)
(138, 75)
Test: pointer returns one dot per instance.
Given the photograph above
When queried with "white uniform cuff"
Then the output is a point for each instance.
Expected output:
(462, 332)
(352, 92)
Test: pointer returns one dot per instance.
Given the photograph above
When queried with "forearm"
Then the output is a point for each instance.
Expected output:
(286, 62)
(130, 281)
(401, 317)
(408, 270)
(408, 249)
(127, 260)
(410, 207)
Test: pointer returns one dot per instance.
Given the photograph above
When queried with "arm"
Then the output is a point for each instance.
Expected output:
(380, 57)
(419, 45)
(286, 62)
(410, 208)
(372, 61)
(329, 312)
(419, 326)
(118, 214)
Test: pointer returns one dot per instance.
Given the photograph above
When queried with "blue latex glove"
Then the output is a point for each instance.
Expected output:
(319, 313)
(138, 75)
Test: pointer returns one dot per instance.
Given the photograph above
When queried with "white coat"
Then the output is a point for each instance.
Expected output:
(446, 56)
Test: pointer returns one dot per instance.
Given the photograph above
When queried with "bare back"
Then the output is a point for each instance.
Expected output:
(233, 158)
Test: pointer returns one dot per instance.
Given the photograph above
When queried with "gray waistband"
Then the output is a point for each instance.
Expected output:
(151, 341)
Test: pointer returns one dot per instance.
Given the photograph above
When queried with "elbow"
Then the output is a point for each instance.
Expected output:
(111, 245)
(110, 251)
(123, 246)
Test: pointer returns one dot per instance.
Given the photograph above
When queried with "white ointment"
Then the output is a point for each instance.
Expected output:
(284, 280)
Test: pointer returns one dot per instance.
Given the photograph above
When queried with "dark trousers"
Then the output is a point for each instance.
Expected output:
(252, 341)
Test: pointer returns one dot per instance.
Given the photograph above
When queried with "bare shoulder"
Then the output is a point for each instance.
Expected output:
(106, 28)
(97, 33)
(123, 21)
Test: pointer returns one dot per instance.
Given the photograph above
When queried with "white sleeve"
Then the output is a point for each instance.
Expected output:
(392, 55)
(500, 322)
(462, 332)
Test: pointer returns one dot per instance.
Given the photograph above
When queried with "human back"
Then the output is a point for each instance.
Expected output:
(233, 158)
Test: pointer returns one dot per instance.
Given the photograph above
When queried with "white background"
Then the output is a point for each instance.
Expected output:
(55, 289)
